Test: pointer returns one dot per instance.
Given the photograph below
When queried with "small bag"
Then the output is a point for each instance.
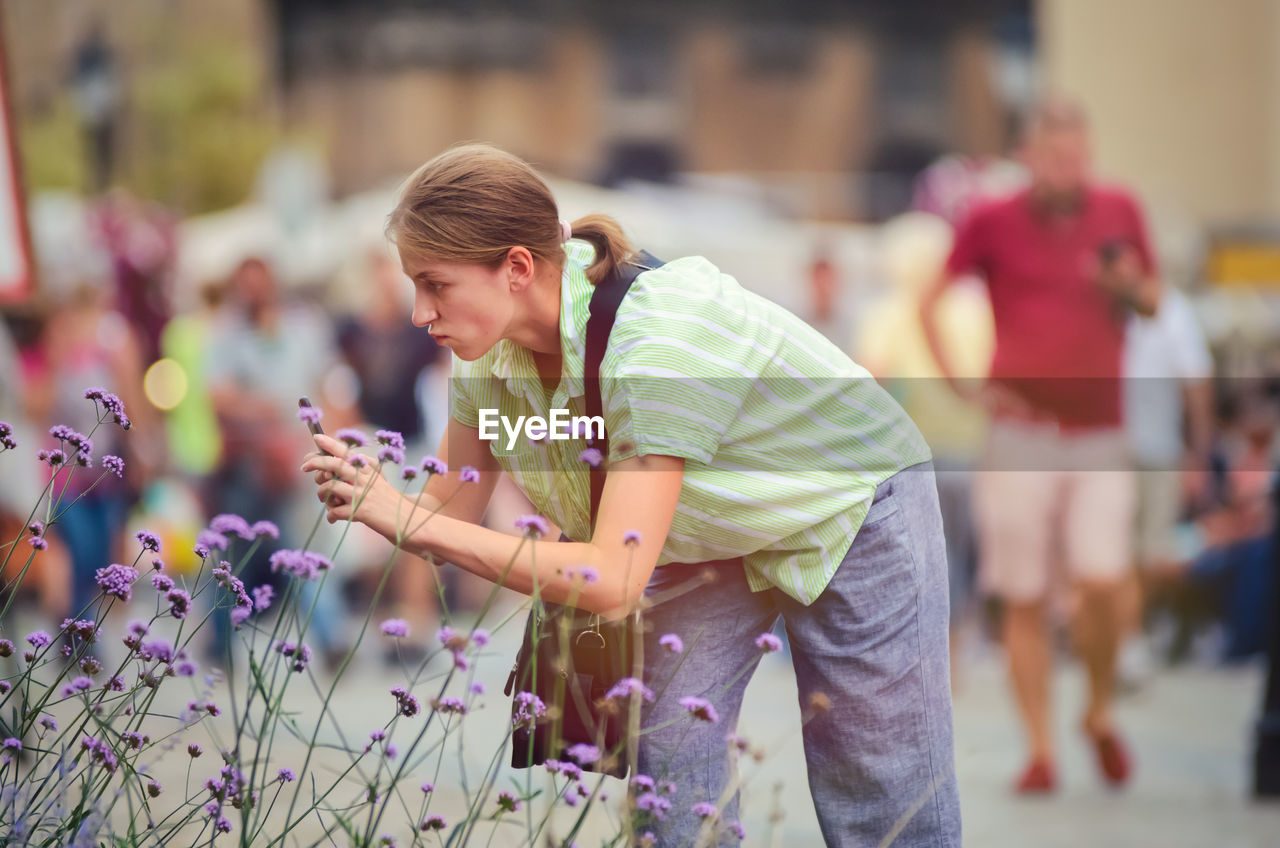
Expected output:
(570, 659)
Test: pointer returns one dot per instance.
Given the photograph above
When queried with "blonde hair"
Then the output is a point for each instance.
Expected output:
(474, 202)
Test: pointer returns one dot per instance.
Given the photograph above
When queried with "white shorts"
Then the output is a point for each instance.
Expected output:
(1042, 496)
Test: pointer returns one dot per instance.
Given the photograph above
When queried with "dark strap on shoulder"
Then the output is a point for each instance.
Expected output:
(605, 301)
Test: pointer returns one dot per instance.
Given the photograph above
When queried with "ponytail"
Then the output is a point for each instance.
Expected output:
(611, 244)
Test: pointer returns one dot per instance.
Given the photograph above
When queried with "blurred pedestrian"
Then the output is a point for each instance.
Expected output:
(1065, 262)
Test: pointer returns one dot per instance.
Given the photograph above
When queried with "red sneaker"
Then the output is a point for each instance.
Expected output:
(1114, 760)
(1039, 778)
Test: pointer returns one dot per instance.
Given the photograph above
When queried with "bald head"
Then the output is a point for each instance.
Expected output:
(1055, 146)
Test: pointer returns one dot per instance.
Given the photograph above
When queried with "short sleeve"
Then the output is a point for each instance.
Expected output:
(1193, 359)
(969, 251)
(677, 373)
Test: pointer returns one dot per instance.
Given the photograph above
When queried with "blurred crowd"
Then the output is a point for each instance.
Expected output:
(212, 388)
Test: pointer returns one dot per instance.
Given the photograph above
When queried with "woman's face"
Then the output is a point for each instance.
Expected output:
(466, 308)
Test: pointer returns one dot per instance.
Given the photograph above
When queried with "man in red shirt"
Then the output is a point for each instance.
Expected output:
(1065, 261)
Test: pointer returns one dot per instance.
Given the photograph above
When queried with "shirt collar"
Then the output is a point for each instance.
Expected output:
(514, 365)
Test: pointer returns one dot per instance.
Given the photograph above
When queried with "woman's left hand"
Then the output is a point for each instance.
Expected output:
(355, 490)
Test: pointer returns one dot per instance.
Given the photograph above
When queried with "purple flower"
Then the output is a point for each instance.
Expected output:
(583, 753)
(651, 803)
(642, 782)
(6, 436)
(116, 580)
(38, 542)
(54, 457)
(150, 541)
(628, 686)
(114, 464)
(12, 744)
(434, 822)
(738, 830)
(391, 454)
(222, 825)
(700, 708)
(353, 437)
(592, 457)
(262, 596)
(265, 528)
(428, 788)
(507, 803)
(162, 582)
(6, 648)
(768, 643)
(480, 637)
(300, 653)
(586, 572)
(158, 650)
(390, 437)
(239, 615)
(377, 735)
(406, 704)
(115, 684)
(631, 537)
(476, 688)
(194, 750)
(285, 775)
(179, 603)
(533, 525)
(397, 628)
(110, 404)
(449, 705)
(310, 414)
(704, 810)
(529, 708)
(468, 474)
(39, 639)
(409, 474)
(211, 540)
(672, 643)
(154, 788)
(229, 523)
(36, 528)
(48, 723)
(186, 668)
(5, 686)
(133, 739)
(304, 564)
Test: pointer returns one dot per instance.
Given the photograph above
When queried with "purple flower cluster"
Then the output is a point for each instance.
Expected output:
(304, 564)
(406, 703)
(449, 706)
(397, 628)
(768, 643)
(507, 803)
(7, 442)
(230, 524)
(100, 752)
(158, 650)
(286, 775)
(262, 596)
(626, 687)
(179, 603)
(583, 753)
(586, 572)
(53, 458)
(77, 685)
(210, 540)
(299, 652)
(162, 583)
(433, 822)
(116, 580)
(468, 474)
(82, 444)
(700, 708)
(390, 437)
(353, 437)
(434, 465)
(631, 537)
(111, 405)
(150, 541)
(672, 643)
(114, 464)
(592, 457)
(529, 708)
(85, 629)
(310, 414)
(651, 802)
(533, 525)
(705, 810)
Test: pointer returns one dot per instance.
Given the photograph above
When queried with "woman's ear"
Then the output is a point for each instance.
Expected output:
(519, 267)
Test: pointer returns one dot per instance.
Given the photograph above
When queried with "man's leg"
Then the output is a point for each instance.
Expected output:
(871, 662)
(1099, 525)
(717, 617)
(1015, 509)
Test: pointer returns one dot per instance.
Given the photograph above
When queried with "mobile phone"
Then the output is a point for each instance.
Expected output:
(313, 426)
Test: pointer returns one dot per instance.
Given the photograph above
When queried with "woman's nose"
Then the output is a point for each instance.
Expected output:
(424, 312)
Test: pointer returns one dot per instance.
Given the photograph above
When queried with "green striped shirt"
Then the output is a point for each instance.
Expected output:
(784, 438)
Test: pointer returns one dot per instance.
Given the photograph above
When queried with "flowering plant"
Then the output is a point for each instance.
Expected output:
(120, 738)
